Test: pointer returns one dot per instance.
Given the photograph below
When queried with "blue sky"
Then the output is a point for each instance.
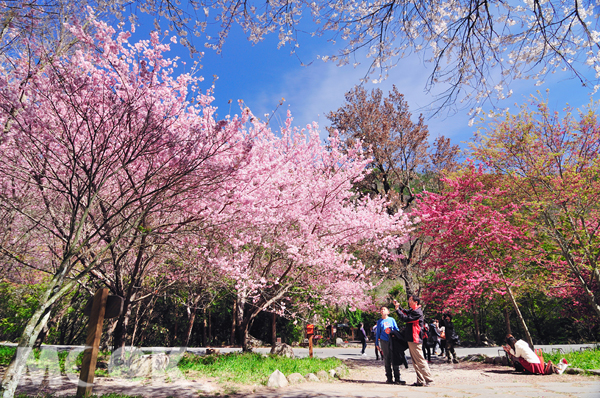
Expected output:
(261, 75)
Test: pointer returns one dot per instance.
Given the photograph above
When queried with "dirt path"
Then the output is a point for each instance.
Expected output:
(366, 378)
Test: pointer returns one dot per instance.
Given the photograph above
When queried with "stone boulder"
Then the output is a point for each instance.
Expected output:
(322, 375)
(341, 370)
(146, 365)
(332, 373)
(312, 377)
(283, 350)
(296, 378)
(277, 379)
(489, 360)
(339, 342)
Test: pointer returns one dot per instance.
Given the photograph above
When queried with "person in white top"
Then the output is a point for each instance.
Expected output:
(520, 352)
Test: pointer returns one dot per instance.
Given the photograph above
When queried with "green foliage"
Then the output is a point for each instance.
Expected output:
(397, 291)
(588, 359)
(6, 354)
(252, 368)
(17, 304)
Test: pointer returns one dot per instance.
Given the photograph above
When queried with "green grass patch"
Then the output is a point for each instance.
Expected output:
(252, 368)
(6, 354)
(587, 359)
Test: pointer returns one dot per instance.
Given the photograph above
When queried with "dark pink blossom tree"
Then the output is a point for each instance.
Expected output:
(479, 245)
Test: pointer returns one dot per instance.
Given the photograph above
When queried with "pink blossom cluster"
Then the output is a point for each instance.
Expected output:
(113, 165)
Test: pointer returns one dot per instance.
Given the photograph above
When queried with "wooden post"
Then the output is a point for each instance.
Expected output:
(310, 331)
(90, 355)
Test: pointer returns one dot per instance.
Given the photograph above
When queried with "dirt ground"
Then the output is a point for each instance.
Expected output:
(366, 378)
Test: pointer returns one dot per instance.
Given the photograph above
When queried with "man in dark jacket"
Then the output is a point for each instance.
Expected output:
(413, 316)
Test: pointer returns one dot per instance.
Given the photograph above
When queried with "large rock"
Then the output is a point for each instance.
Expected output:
(277, 379)
(332, 373)
(339, 342)
(283, 349)
(341, 370)
(296, 378)
(322, 375)
(312, 377)
(146, 365)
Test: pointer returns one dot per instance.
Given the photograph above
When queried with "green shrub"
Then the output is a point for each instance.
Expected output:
(252, 368)
(588, 359)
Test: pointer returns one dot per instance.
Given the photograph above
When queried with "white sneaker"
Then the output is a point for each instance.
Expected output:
(364, 355)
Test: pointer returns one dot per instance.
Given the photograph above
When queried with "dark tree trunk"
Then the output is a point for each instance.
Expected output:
(209, 326)
(273, 329)
(191, 320)
(204, 327)
(507, 321)
(477, 331)
(241, 324)
(233, 322)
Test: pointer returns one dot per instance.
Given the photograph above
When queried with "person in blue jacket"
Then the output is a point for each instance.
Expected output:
(385, 326)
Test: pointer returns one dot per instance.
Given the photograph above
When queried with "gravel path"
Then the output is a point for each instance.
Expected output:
(366, 378)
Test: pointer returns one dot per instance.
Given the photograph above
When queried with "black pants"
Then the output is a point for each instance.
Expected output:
(364, 346)
(427, 351)
(450, 349)
(388, 361)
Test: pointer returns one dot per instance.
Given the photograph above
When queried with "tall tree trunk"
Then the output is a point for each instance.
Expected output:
(273, 329)
(242, 325)
(520, 317)
(191, 320)
(476, 322)
(209, 326)
(507, 321)
(204, 326)
(122, 323)
(233, 322)
(517, 310)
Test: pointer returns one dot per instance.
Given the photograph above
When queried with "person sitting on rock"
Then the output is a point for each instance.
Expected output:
(525, 359)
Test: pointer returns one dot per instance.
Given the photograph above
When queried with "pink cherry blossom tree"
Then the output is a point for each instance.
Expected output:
(291, 223)
(98, 146)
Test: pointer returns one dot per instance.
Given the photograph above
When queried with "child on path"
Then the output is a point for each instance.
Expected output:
(385, 326)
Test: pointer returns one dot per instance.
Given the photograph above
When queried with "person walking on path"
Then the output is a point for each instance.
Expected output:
(435, 331)
(413, 316)
(451, 338)
(362, 336)
(426, 339)
(385, 326)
